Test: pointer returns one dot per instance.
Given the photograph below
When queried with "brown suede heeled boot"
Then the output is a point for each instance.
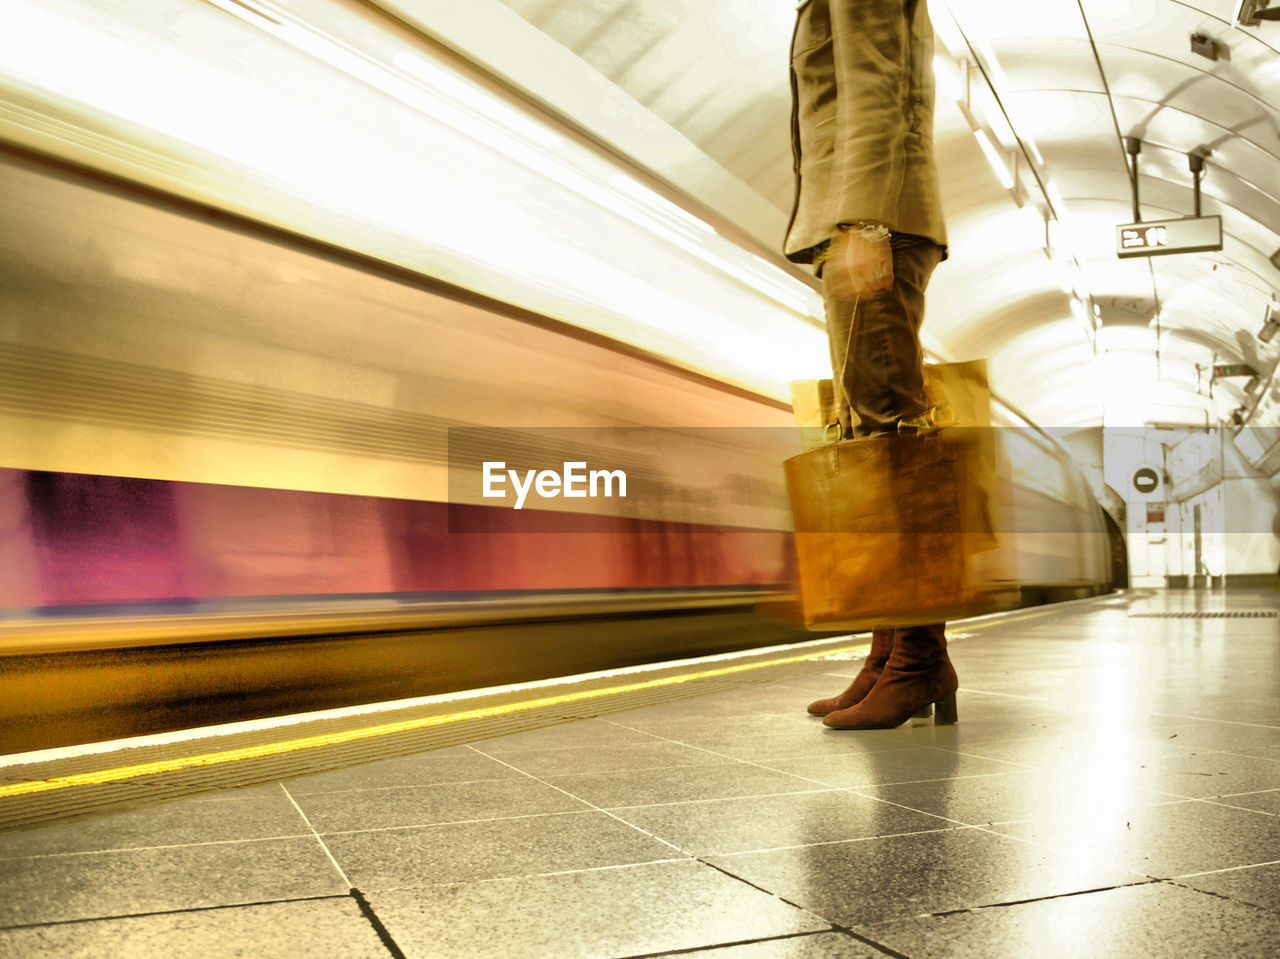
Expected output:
(917, 675)
(881, 643)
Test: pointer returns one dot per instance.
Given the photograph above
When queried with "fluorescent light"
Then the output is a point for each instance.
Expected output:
(1034, 150)
(991, 99)
(243, 10)
(997, 161)
(984, 101)
(1056, 198)
(994, 70)
(947, 75)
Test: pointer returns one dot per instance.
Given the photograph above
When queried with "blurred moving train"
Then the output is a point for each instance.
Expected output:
(226, 439)
(183, 520)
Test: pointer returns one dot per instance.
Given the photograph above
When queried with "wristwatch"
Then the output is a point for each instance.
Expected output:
(869, 230)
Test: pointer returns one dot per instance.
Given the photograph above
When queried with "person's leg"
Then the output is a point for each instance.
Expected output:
(875, 344)
(917, 674)
(881, 643)
(879, 369)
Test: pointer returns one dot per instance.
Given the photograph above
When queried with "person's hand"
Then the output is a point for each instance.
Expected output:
(859, 264)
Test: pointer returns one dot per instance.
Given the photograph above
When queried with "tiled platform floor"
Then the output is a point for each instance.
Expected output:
(1112, 790)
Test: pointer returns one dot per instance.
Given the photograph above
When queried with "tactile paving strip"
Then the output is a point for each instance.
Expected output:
(1212, 614)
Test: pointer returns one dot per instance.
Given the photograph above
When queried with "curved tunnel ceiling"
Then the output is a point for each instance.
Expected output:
(1075, 336)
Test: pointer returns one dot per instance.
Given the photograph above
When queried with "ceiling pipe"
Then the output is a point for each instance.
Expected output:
(1132, 147)
(1196, 162)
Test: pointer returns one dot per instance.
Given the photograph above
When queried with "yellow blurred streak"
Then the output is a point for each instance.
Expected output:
(30, 636)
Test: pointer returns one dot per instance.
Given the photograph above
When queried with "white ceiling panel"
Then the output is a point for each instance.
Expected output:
(1048, 64)
(1000, 21)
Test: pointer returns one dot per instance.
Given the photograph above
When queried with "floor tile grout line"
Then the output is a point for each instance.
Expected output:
(840, 842)
(694, 950)
(335, 897)
(629, 769)
(535, 875)
(376, 923)
(1010, 903)
(1243, 755)
(1018, 767)
(1234, 900)
(715, 799)
(1230, 722)
(400, 827)
(711, 752)
(873, 943)
(1085, 811)
(1214, 872)
(323, 845)
(990, 692)
(176, 845)
(796, 725)
(768, 892)
(555, 750)
(1219, 801)
(374, 789)
(900, 782)
(1093, 860)
(601, 719)
(852, 790)
(362, 904)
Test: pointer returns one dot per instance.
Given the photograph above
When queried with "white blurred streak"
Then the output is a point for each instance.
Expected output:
(369, 143)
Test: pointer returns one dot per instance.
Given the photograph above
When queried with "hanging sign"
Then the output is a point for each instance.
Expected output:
(1191, 234)
(1233, 369)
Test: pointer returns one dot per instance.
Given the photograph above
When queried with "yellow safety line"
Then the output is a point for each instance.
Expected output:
(383, 729)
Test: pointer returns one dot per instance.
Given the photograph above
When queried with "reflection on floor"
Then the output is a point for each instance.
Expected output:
(1112, 789)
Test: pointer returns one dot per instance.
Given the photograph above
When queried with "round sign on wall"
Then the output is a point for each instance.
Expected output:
(1145, 480)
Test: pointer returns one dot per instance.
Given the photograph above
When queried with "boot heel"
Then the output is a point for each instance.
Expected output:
(921, 716)
(945, 715)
